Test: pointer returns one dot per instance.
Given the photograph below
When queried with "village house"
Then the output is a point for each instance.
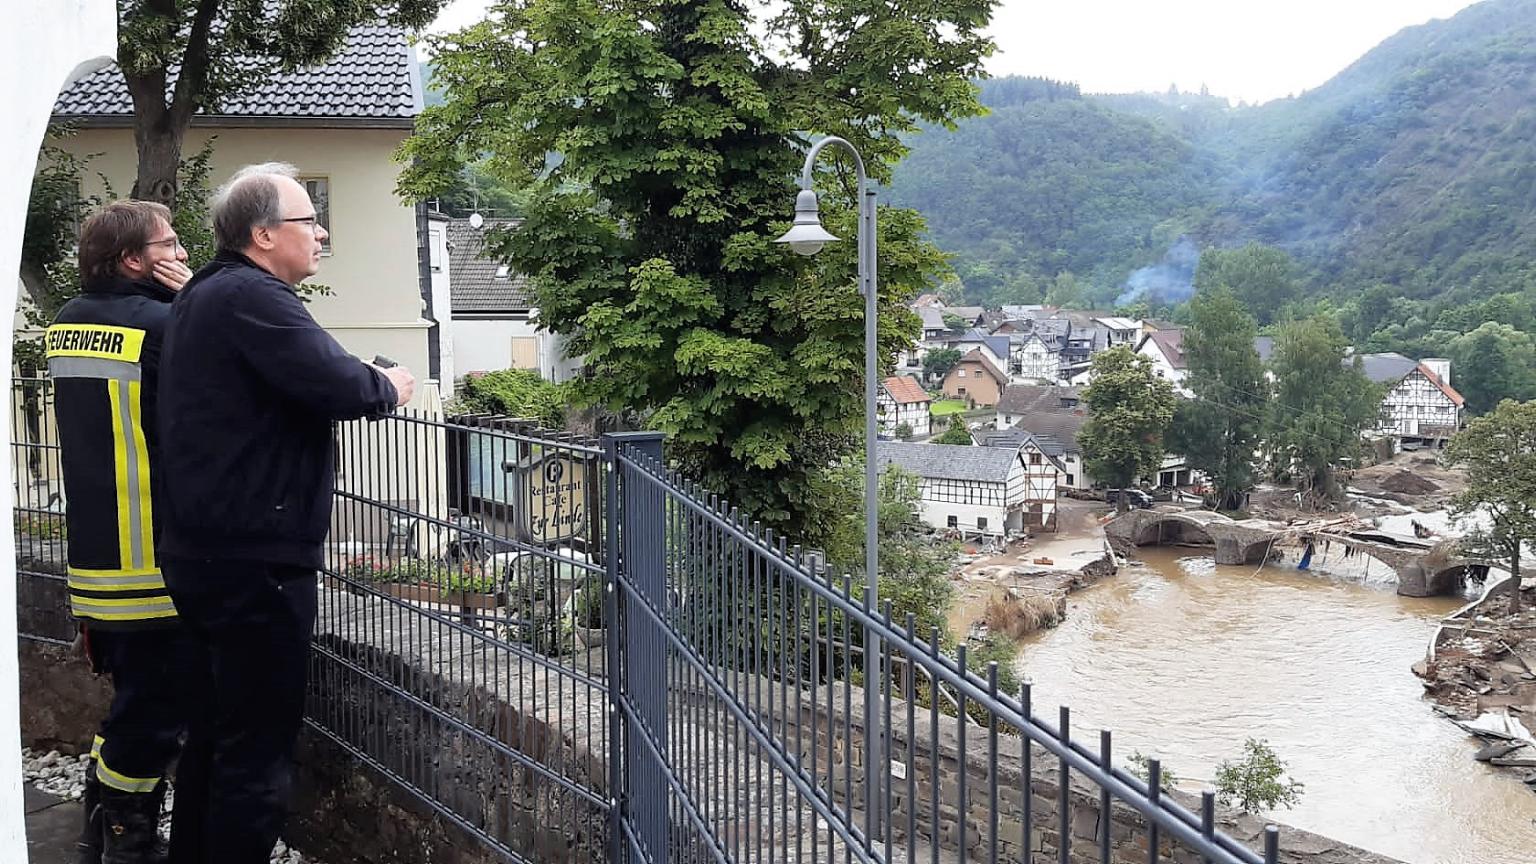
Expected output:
(995, 348)
(494, 322)
(902, 401)
(1421, 408)
(1119, 331)
(975, 380)
(1165, 348)
(1055, 431)
(977, 491)
(1031, 360)
(911, 360)
(340, 123)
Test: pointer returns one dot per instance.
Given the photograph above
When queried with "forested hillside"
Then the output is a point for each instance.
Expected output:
(1404, 189)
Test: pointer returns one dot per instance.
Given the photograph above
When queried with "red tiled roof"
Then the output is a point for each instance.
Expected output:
(1448, 390)
(905, 390)
(1171, 343)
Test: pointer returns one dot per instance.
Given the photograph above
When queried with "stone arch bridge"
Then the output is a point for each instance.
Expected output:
(1423, 568)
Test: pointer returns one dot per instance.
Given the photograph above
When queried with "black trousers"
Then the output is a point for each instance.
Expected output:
(250, 624)
(142, 730)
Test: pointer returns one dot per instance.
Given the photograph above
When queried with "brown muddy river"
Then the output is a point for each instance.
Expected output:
(1184, 659)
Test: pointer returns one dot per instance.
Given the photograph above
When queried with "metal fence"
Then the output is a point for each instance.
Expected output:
(572, 654)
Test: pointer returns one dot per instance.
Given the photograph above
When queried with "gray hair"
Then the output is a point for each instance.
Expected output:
(248, 200)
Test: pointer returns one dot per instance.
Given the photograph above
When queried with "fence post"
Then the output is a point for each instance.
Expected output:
(637, 657)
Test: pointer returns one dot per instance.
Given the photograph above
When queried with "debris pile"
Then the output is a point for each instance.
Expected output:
(1405, 482)
(1483, 677)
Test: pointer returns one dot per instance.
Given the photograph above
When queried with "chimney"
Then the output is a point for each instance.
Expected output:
(1440, 366)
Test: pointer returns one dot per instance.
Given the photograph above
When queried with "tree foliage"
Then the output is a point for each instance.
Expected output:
(1262, 278)
(1323, 404)
(1219, 430)
(649, 238)
(938, 362)
(914, 564)
(1498, 451)
(1493, 363)
(183, 56)
(1130, 408)
(1257, 781)
(955, 433)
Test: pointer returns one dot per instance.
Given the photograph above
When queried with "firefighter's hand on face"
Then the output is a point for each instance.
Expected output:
(172, 274)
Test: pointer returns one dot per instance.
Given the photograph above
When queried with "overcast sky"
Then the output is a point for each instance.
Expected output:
(1241, 49)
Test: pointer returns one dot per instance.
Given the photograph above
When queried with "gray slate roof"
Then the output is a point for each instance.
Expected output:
(1016, 437)
(1386, 368)
(1028, 398)
(933, 319)
(948, 461)
(998, 345)
(1057, 426)
(472, 282)
(374, 76)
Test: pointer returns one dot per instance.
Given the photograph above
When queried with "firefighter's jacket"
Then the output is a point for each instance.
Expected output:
(103, 354)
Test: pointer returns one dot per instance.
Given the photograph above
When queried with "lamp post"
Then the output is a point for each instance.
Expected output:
(807, 237)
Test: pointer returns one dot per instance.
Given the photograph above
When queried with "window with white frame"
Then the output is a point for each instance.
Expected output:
(319, 189)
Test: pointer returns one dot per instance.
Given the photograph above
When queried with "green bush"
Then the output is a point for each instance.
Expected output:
(517, 393)
(1256, 782)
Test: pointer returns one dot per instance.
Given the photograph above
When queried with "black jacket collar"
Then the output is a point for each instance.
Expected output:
(227, 258)
(121, 285)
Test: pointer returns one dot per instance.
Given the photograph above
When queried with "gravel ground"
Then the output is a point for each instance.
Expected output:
(64, 776)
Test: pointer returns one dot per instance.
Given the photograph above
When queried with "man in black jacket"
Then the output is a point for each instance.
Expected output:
(251, 386)
(103, 353)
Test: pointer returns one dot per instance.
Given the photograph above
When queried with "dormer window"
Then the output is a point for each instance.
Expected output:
(503, 271)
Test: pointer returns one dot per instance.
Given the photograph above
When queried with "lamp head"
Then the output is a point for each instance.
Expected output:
(806, 236)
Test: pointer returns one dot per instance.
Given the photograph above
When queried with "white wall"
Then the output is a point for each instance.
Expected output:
(372, 268)
(937, 513)
(45, 45)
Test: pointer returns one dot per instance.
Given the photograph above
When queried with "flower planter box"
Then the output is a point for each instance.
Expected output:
(433, 594)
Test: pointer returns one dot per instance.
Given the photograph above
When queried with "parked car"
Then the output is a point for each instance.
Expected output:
(1133, 497)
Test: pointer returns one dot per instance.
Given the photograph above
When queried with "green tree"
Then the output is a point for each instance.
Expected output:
(938, 362)
(956, 433)
(1493, 363)
(914, 564)
(1323, 404)
(1257, 781)
(1262, 277)
(514, 393)
(182, 56)
(1498, 451)
(649, 239)
(1066, 292)
(1129, 409)
(1218, 431)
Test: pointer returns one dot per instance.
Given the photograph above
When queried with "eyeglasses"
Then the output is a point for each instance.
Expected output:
(172, 243)
(312, 221)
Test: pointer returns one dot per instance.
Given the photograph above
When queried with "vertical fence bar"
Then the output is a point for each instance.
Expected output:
(642, 561)
(612, 599)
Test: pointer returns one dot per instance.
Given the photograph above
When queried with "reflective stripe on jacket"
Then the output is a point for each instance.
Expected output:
(103, 357)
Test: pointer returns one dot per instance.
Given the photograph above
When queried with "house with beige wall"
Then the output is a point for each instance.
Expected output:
(340, 124)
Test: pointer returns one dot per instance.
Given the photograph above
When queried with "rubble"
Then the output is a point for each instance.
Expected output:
(1482, 675)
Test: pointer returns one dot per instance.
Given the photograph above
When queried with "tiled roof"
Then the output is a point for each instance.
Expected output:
(970, 313)
(473, 282)
(948, 461)
(975, 356)
(1025, 398)
(374, 76)
(1170, 343)
(933, 318)
(1449, 391)
(1387, 368)
(1060, 426)
(905, 390)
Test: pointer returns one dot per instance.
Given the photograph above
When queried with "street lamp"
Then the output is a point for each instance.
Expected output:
(807, 237)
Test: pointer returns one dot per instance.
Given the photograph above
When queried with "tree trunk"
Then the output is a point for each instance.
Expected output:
(1514, 579)
(159, 149)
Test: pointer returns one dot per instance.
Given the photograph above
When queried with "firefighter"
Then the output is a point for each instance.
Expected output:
(103, 354)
